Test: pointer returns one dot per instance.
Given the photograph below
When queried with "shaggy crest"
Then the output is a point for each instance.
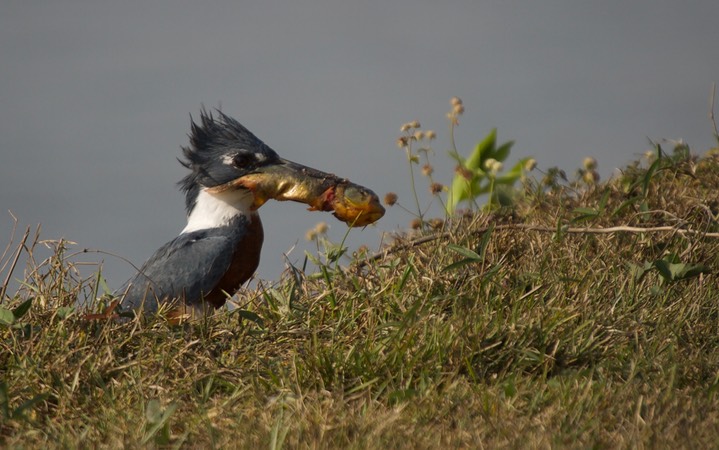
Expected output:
(212, 138)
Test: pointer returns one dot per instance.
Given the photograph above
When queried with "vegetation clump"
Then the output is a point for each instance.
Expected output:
(579, 314)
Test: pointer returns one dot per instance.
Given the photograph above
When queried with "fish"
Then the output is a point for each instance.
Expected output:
(351, 203)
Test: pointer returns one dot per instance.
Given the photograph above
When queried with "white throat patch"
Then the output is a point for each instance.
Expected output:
(217, 210)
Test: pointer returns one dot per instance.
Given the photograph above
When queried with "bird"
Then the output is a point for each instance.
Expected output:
(231, 174)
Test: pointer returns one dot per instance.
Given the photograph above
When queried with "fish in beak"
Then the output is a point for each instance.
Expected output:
(285, 180)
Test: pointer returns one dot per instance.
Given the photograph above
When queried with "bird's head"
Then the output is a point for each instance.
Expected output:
(221, 150)
(224, 157)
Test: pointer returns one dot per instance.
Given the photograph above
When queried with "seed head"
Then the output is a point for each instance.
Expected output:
(402, 141)
(430, 135)
(436, 224)
(589, 163)
(436, 188)
(530, 164)
(493, 166)
(427, 170)
(590, 177)
(321, 227)
(390, 198)
(415, 224)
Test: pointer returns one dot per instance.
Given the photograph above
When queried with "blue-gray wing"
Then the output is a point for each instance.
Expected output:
(185, 268)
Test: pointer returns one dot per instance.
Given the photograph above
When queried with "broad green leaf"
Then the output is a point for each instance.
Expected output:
(638, 271)
(502, 152)
(103, 285)
(515, 173)
(695, 271)
(6, 317)
(480, 153)
(470, 256)
(467, 253)
(252, 317)
(672, 258)
(158, 419)
(664, 270)
(22, 309)
(153, 411)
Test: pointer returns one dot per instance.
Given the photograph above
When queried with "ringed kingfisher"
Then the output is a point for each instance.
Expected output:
(232, 173)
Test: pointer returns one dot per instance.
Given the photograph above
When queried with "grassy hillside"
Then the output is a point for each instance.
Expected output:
(525, 326)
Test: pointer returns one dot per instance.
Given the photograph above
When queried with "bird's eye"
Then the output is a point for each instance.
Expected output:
(243, 160)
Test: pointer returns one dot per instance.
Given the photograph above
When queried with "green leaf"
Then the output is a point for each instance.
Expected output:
(638, 271)
(671, 269)
(463, 189)
(672, 258)
(650, 173)
(482, 151)
(20, 410)
(695, 270)
(158, 421)
(667, 270)
(503, 197)
(103, 285)
(153, 411)
(470, 256)
(64, 312)
(458, 264)
(512, 175)
(624, 205)
(603, 201)
(491, 272)
(252, 317)
(486, 238)
(502, 152)
(403, 280)
(584, 214)
(467, 253)
(585, 211)
(22, 309)
(6, 317)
